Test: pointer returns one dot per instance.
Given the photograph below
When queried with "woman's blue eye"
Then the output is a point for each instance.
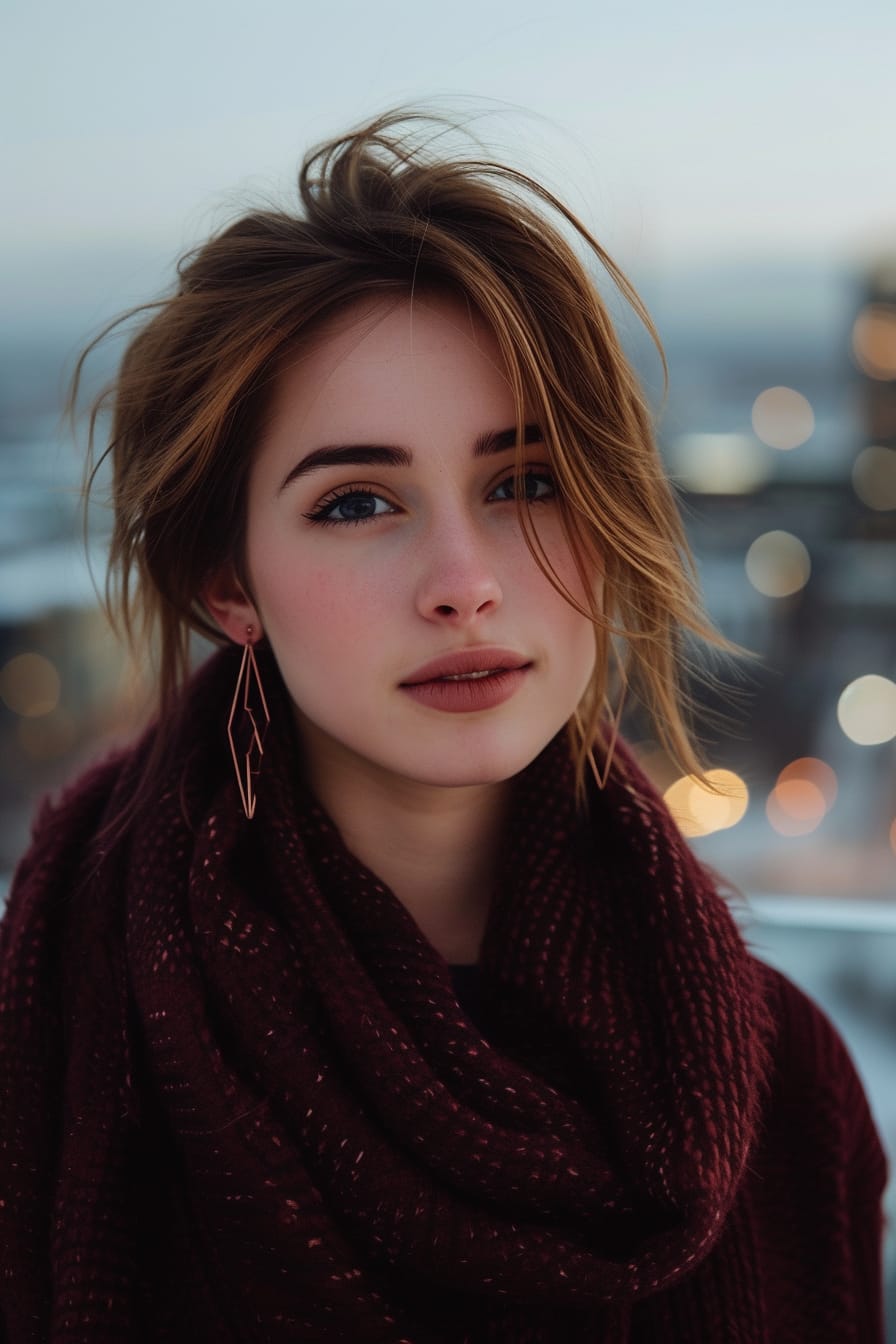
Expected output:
(536, 484)
(352, 506)
(357, 505)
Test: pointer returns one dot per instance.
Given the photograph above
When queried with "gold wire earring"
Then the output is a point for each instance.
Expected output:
(612, 720)
(243, 733)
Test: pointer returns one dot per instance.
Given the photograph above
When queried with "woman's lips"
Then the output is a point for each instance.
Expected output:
(467, 681)
(481, 658)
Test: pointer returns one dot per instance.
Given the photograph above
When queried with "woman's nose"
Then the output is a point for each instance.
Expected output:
(459, 582)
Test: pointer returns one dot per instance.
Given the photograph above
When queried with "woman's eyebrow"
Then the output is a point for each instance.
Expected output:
(386, 455)
(348, 455)
(505, 438)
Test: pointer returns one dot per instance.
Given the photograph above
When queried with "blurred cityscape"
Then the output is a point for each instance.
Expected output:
(780, 431)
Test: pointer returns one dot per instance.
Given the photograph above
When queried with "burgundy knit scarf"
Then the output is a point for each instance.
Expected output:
(243, 1103)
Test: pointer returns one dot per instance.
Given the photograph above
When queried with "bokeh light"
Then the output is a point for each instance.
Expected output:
(874, 477)
(814, 771)
(701, 809)
(719, 464)
(866, 711)
(29, 685)
(804, 793)
(795, 807)
(778, 564)
(782, 418)
(874, 340)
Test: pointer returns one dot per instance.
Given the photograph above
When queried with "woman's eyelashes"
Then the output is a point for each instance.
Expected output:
(538, 484)
(355, 504)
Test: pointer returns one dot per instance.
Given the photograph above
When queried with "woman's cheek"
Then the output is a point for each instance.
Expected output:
(562, 562)
(321, 596)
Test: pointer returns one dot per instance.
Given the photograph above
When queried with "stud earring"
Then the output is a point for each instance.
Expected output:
(247, 725)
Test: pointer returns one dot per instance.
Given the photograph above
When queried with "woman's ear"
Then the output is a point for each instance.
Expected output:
(228, 605)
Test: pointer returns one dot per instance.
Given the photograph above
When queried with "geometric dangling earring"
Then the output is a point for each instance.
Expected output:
(614, 716)
(251, 727)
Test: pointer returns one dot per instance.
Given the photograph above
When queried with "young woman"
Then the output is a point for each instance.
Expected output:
(373, 995)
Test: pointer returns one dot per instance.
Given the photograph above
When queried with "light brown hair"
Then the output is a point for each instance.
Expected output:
(380, 211)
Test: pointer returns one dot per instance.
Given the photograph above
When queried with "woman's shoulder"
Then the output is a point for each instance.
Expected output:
(807, 1041)
(67, 827)
(816, 1088)
(90, 787)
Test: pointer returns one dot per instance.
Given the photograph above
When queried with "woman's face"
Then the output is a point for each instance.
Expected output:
(383, 539)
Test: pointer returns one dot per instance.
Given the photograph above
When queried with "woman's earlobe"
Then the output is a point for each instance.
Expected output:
(230, 608)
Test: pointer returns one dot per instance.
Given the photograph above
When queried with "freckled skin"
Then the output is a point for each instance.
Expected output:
(351, 609)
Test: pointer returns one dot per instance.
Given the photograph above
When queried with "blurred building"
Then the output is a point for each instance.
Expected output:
(780, 437)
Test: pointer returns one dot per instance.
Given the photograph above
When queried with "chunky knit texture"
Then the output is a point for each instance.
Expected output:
(239, 1100)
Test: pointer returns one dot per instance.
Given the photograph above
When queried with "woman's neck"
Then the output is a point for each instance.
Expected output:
(435, 848)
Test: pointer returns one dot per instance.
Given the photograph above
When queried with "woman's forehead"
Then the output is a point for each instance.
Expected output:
(378, 352)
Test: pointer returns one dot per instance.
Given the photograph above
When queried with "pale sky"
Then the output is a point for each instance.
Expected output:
(680, 131)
